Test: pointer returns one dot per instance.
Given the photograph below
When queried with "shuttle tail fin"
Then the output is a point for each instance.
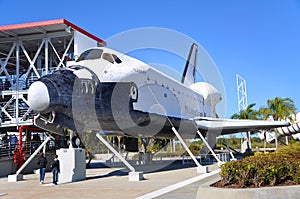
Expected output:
(189, 73)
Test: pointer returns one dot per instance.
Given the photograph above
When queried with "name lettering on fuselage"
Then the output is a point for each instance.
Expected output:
(189, 110)
(87, 86)
(137, 70)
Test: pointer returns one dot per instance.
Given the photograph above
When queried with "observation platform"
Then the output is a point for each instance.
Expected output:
(29, 51)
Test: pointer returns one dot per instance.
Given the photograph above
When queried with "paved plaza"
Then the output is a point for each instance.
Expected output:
(111, 183)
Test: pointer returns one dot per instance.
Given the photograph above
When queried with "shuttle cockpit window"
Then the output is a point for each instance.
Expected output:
(90, 54)
(75, 67)
(108, 57)
(117, 59)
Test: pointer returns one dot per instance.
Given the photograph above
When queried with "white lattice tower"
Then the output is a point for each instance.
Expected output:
(242, 99)
(241, 92)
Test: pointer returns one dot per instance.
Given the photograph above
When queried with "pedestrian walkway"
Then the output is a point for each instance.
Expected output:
(100, 183)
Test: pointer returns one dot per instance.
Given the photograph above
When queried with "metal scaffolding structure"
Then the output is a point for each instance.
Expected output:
(241, 92)
(242, 101)
(29, 51)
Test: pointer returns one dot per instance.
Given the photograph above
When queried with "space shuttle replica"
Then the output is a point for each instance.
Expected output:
(107, 91)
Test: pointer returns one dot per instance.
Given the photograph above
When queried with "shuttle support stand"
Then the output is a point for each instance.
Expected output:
(72, 164)
(133, 175)
(210, 149)
(18, 176)
(200, 168)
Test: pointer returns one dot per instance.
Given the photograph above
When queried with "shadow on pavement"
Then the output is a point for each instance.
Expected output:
(150, 168)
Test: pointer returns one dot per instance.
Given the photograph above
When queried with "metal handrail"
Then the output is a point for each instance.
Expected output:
(8, 150)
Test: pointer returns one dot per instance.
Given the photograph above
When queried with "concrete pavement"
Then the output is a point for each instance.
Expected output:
(104, 183)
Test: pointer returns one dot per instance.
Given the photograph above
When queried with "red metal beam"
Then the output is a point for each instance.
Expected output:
(19, 155)
(84, 32)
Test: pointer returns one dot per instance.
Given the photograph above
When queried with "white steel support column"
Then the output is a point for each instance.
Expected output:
(46, 56)
(200, 168)
(17, 81)
(29, 109)
(174, 145)
(71, 138)
(133, 175)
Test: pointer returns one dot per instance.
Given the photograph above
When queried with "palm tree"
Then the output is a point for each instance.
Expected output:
(264, 113)
(248, 113)
(279, 109)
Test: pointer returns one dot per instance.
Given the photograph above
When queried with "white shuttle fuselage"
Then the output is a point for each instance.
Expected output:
(104, 90)
(157, 92)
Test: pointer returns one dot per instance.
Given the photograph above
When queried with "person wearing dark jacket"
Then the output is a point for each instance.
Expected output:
(42, 162)
(55, 169)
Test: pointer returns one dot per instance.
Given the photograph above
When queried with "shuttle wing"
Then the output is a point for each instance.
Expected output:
(229, 126)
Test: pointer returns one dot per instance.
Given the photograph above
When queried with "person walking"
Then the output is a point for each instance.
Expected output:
(42, 162)
(55, 169)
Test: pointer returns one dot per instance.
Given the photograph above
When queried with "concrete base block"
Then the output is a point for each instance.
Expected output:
(202, 169)
(135, 176)
(72, 165)
(15, 178)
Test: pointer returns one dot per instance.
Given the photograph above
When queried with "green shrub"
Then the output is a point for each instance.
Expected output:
(263, 169)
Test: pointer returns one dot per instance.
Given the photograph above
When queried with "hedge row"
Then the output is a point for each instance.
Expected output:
(263, 169)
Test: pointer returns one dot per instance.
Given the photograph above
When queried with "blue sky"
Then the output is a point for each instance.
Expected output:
(258, 39)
